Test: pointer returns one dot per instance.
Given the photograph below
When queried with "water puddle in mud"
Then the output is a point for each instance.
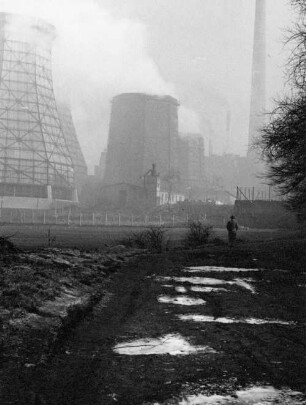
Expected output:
(208, 289)
(172, 344)
(181, 300)
(181, 289)
(252, 321)
(199, 280)
(265, 395)
(251, 396)
(210, 281)
(216, 268)
(244, 284)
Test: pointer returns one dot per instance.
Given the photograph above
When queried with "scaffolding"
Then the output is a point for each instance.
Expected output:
(34, 157)
(78, 161)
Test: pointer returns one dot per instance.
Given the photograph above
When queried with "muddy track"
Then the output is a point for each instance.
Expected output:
(84, 370)
(81, 352)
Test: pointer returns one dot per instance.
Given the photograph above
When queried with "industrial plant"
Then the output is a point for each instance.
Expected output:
(148, 162)
(37, 170)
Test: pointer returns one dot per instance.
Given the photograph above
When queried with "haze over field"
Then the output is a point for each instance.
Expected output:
(198, 51)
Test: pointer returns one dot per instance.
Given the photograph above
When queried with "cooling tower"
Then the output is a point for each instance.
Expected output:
(143, 131)
(36, 169)
(75, 151)
(258, 90)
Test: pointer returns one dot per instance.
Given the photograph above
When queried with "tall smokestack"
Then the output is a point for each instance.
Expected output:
(258, 90)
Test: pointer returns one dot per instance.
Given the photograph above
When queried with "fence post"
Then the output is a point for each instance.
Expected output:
(172, 220)
(68, 218)
(93, 218)
(44, 217)
(106, 218)
(80, 219)
(119, 220)
(33, 217)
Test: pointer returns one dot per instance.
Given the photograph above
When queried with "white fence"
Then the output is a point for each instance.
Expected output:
(92, 219)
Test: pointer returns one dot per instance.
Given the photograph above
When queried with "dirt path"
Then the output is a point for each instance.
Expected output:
(249, 332)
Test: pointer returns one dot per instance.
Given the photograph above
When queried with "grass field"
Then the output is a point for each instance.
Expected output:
(95, 237)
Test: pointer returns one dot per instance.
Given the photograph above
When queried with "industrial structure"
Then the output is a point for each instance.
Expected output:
(191, 169)
(144, 144)
(74, 148)
(258, 90)
(36, 168)
(143, 130)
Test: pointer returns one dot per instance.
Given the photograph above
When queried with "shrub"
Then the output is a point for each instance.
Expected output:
(152, 239)
(6, 245)
(198, 233)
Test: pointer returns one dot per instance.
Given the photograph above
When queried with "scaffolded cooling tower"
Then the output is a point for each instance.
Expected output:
(36, 169)
(143, 131)
(78, 161)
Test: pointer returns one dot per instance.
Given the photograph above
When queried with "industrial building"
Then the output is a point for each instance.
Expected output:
(36, 165)
(143, 144)
(191, 158)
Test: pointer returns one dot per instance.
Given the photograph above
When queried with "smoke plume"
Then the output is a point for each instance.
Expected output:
(95, 57)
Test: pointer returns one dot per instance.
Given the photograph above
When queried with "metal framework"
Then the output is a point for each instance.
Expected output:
(78, 161)
(34, 156)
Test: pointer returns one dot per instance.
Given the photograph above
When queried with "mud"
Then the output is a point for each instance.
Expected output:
(255, 356)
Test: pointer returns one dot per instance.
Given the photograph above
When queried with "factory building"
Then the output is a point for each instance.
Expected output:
(36, 167)
(191, 157)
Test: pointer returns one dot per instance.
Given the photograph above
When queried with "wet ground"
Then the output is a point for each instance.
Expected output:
(172, 332)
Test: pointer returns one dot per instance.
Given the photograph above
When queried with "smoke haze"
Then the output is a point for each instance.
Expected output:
(104, 48)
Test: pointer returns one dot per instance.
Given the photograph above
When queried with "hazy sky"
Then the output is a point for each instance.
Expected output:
(199, 51)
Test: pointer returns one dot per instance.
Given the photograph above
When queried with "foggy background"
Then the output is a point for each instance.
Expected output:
(199, 51)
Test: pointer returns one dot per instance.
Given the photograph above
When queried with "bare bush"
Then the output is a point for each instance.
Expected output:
(198, 233)
(152, 239)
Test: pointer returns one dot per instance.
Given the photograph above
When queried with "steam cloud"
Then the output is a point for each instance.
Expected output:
(95, 57)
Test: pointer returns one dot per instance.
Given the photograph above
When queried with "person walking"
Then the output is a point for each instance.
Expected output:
(232, 228)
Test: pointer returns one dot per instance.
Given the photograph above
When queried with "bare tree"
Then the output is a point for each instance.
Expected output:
(283, 139)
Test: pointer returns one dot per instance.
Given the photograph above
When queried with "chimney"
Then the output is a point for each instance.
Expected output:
(258, 90)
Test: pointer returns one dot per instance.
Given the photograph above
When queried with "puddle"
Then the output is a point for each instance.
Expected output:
(251, 396)
(216, 268)
(213, 281)
(174, 345)
(181, 300)
(181, 289)
(252, 321)
(200, 280)
(208, 289)
(244, 284)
